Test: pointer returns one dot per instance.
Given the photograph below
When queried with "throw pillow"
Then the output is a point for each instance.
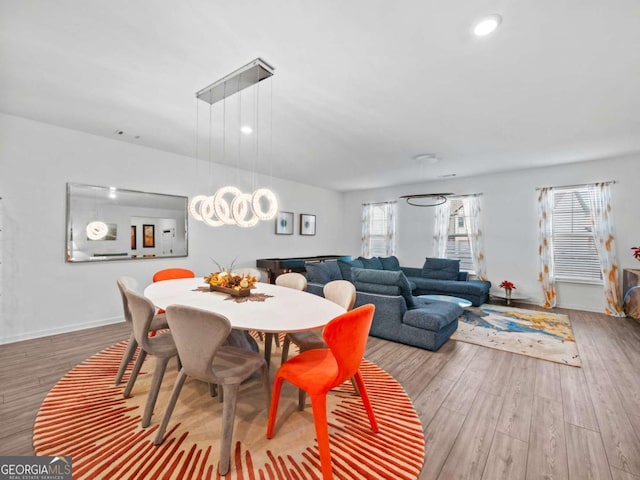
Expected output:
(385, 277)
(371, 263)
(322, 272)
(390, 263)
(346, 266)
(317, 272)
(441, 268)
(333, 269)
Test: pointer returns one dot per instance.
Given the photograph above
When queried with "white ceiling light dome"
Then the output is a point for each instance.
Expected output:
(486, 25)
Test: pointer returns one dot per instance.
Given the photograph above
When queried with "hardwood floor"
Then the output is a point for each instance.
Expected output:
(487, 414)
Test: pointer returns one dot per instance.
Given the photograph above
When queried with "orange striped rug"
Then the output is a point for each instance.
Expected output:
(86, 416)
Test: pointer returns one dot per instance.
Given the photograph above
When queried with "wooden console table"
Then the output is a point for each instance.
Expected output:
(278, 266)
(631, 292)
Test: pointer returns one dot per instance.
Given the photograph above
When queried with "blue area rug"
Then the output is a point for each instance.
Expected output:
(534, 333)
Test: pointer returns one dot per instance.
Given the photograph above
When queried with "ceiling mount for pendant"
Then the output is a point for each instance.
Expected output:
(244, 77)
(428, 199)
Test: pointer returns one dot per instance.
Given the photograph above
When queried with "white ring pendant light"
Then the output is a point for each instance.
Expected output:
(229, 205)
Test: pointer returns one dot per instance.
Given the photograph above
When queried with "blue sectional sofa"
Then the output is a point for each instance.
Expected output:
(401, 315)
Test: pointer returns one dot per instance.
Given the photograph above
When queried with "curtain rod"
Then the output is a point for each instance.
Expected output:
(608, 182)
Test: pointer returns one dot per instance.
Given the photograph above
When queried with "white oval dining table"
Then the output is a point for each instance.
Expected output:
(286, 310)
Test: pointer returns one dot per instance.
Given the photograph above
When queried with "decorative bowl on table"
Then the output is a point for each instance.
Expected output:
(236, 285)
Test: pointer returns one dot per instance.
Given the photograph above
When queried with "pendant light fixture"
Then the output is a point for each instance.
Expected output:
(229, 205)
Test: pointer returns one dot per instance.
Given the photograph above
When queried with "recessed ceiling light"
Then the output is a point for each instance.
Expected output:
(246, 129)
(429, 158)
(486, 25)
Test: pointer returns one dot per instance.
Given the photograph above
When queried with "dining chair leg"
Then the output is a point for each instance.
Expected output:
(175, 393)
(132, 345)
(228, 416)
(134, 373)
(266, 383)
(268, 337)
(319, 407)
(355, 385)
(285, 349)
(273, 409)
(156, 382)
(365, 400)
(302, 399)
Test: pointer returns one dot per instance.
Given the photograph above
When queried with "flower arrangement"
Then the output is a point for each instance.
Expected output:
(507, 285)
(636, 252)
(224, 279)
(227, 280)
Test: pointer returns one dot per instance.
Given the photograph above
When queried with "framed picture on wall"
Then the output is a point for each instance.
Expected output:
(307, 224)
(148, 236)
(134, 237)
(284, 223)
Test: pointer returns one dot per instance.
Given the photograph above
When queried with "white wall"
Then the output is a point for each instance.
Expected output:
(42, 294)
(510, 221)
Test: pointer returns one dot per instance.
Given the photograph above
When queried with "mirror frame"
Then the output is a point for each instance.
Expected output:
(143, 212)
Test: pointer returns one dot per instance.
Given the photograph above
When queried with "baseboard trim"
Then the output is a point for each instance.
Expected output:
(58, 330)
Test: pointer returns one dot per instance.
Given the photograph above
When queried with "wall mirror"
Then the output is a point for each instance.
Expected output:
(108, 223)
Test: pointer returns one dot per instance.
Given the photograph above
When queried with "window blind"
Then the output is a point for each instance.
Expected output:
(574, 249)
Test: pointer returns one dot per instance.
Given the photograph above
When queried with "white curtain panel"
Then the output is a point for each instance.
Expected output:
(545, 247)
(365, 239)
(472, 210)
(390, 215)
(441, 233)
(602, 221)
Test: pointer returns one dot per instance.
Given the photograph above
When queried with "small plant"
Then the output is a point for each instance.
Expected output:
(636, 252)
(507, 285)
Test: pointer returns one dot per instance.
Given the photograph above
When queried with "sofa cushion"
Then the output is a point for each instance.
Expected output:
(384, 277)
(390, 263)
(346, 265)
(379, 288)
(450, 287)
(372, 263)
(322, 272)
(441, 268)
(432, 315)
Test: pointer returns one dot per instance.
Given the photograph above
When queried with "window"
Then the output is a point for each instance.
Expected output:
(574, 248)
(378, 229)
(458, 241)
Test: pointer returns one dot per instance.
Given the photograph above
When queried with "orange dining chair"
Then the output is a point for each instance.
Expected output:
(171, 274)
(159, 322)
(199, 337)
(318, 371)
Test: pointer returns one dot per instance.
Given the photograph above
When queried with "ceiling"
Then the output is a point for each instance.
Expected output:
(360, 87)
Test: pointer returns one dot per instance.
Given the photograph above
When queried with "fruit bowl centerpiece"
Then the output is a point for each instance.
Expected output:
(236, 285)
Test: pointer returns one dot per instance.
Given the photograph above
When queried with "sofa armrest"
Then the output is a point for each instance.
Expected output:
(463, 276)
(389, 308)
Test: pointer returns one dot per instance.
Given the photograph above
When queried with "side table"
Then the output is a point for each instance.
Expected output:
(501, 294)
